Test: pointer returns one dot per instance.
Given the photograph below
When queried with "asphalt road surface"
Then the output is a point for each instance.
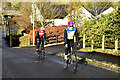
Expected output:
(0, 53)
(91, 55)
(22, 63)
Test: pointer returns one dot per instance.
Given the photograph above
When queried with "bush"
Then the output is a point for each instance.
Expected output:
(24, 41)
(106, 25)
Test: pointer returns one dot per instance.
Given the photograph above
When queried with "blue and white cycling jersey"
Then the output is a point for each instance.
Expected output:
(70, 33)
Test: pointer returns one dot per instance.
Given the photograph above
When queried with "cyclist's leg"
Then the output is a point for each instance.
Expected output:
(67, 50)
(42, 48)
(38, 43)
(42, 45)
(35, 40)
(70, 49)
(66, 58)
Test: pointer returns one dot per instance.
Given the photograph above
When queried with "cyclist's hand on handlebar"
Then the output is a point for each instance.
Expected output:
(66, 45)
(45, 42)
(78, 45)
(38, 40)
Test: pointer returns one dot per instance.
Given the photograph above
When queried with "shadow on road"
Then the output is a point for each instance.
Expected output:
(82, 64)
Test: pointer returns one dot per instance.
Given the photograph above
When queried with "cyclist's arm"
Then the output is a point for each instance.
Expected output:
(65, 36)
(76, 35)
(37, 34)
(44, 35)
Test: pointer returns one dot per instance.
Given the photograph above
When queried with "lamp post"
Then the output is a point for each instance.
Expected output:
(9, 17)
(5, 24)
(33, 22)
(4, 27)
(8, 14)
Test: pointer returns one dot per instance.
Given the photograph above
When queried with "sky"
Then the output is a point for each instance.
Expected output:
(60, 0)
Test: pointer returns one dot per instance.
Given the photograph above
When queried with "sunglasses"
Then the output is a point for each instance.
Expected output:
(70, 25)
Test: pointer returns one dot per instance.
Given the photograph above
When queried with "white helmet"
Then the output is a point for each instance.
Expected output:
(42, 28)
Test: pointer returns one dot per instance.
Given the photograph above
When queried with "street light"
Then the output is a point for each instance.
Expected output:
(8, 14)
(9, 17)
(33, 22)
(4, 32)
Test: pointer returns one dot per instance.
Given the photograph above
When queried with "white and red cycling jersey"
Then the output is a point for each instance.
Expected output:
(41, 33)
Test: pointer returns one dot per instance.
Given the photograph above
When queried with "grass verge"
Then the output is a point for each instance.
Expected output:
(102, 64)
(106, 51)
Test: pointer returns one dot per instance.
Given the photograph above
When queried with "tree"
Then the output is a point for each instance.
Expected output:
(75, 14)
(49, 10)
(115, 4)
(24, 9)
(75, 11)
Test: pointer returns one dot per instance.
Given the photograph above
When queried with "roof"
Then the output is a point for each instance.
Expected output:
(11, 13)
(108, 10)
(99, 10)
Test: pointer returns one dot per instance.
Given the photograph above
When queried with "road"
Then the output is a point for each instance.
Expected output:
(0, 53)
(91, 55)
(21, 63)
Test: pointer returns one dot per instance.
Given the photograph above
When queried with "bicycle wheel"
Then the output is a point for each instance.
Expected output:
(73, 62)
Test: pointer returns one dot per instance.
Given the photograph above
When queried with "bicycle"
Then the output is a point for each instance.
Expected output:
(41, 52)
(72, 60)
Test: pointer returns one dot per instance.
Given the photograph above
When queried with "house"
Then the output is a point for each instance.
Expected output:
(109, 10)
(60, 16)
(99, 10)
(85, 14)
(64, 20)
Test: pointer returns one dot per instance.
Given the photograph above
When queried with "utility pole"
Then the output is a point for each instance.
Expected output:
(33, 22)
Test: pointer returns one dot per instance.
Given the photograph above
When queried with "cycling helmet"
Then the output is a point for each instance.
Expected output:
(42, 28)
(70, 23)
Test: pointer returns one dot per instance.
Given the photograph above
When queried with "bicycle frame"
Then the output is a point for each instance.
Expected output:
(40, 44)
(41, 52)
(71, 51)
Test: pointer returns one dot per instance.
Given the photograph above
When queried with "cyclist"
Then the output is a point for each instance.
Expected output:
(69, 34)
(41, 38)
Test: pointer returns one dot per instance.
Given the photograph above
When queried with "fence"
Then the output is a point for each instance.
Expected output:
(25, 40)
(54, 39)
(104, 42)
